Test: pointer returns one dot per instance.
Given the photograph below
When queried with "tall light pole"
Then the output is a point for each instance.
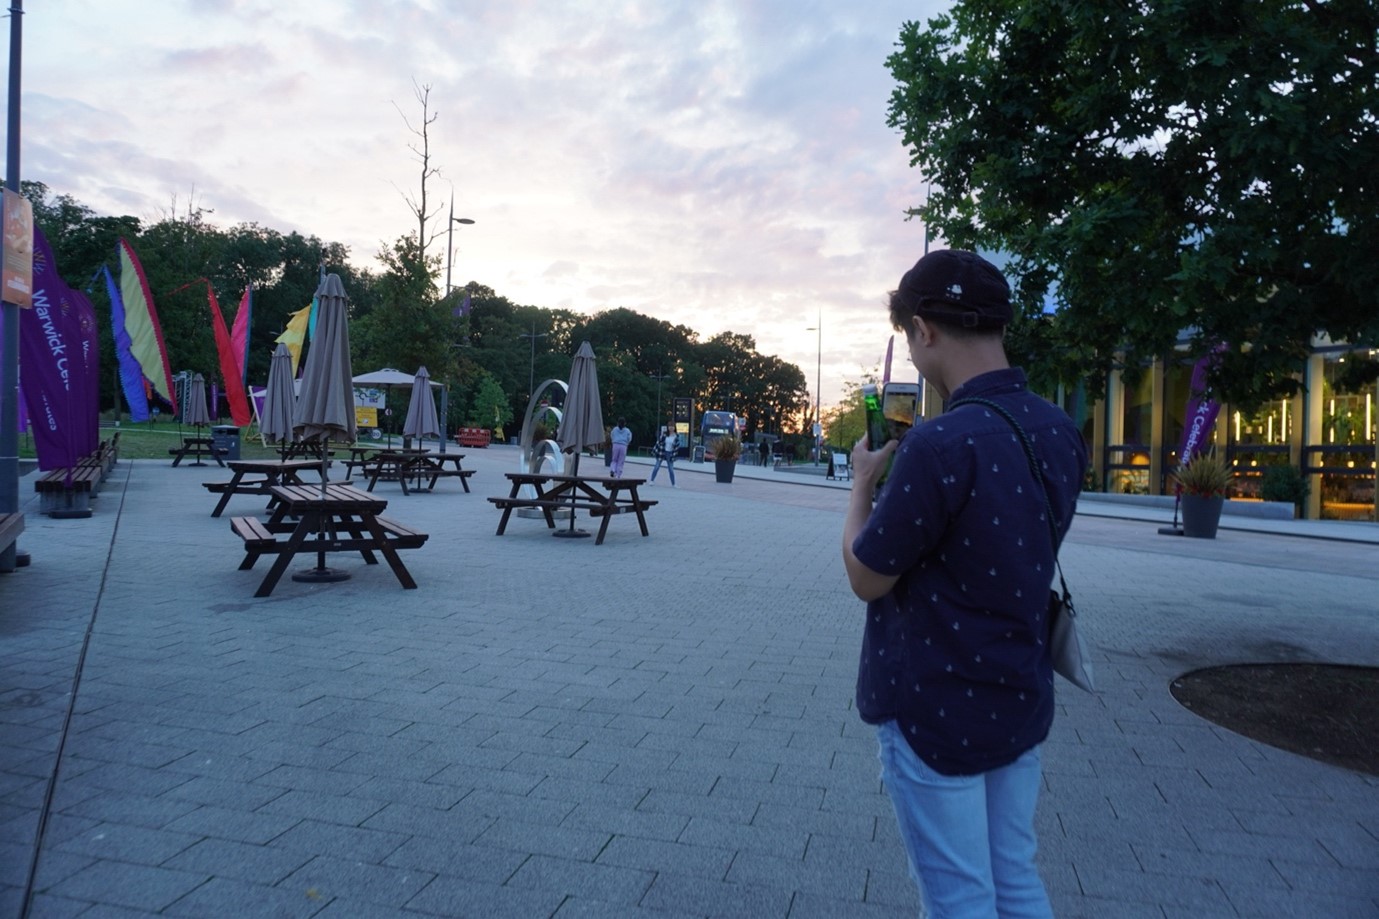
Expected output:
(531, 373)
(450, 240)
(10, 556)
(658, 376)
(818, 383)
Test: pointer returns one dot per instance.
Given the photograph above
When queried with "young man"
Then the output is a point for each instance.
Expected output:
(955, 562)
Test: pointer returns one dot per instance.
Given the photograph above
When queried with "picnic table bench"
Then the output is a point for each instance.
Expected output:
(271, 471)
(320, 519)
(11, 525)
(419, 465)
(197, 447)
(601, 496)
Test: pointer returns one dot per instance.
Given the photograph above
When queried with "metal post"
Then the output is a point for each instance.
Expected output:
(818, 383)
(658, 376)
(531, 373)
(9, 360)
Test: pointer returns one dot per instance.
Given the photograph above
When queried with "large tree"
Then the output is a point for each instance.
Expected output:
(1151, 168)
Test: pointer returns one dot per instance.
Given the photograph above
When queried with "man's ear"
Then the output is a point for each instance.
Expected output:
(923, 331)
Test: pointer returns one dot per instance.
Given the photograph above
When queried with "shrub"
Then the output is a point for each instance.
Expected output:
(1206, 475)
(1284, 483)
(727, 447)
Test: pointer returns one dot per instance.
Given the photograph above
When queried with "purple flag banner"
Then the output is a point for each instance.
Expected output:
(51, 364)
(90, 423)
(1202, 408)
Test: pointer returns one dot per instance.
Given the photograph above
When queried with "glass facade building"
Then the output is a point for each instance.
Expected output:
(1327, 430)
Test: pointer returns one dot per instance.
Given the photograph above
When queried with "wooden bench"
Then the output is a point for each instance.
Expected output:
(11, 525)
(473, 437)
(61, 499)
(406, 537)
(255, 533)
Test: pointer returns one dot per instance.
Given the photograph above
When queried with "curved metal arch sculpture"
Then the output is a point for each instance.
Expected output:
(533, 457)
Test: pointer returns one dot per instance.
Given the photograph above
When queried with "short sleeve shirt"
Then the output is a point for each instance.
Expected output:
(956, 653)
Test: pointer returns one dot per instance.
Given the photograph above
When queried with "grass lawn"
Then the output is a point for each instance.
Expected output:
(153, 440)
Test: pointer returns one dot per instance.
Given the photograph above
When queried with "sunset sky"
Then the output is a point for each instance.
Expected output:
(725, 165)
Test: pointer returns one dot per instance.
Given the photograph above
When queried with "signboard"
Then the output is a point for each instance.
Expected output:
(365, 416)
(17, 279)
(682, 413)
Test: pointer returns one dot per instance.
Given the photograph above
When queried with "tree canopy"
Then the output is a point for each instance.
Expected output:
(1189, 166)
(490, 357)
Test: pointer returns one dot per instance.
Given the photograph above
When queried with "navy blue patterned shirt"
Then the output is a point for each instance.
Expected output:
(956, 652)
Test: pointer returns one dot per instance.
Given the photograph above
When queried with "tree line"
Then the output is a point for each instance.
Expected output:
(489, 354)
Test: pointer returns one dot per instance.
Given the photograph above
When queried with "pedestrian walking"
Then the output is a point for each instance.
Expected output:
(955, 561)
(621, 438)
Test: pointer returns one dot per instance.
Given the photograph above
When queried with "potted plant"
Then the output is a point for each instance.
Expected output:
(1284, 483)
(1203, 481)
(726, 451)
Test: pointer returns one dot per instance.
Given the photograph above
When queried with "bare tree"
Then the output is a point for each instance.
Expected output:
(421, 150)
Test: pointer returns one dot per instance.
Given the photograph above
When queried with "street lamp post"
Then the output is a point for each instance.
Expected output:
(450, 240)
(658, 376)
(449, 259)
(531, 373)
(818, 383)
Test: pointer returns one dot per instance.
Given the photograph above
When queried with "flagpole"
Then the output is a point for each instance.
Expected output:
(10, 556)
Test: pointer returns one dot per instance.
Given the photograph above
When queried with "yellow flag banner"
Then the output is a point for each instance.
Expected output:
(295, 335)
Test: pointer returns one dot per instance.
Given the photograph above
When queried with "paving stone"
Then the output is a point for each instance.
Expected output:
(378, 884)
(471, 751)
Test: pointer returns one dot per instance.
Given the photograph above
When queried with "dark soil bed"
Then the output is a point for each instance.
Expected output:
(1328, 712)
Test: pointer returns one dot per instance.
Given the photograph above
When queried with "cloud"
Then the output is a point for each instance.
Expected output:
(722, 164)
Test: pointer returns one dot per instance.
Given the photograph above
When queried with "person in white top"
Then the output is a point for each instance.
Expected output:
(667, 443)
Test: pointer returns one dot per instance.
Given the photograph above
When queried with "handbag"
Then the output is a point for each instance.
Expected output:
(1072, 659)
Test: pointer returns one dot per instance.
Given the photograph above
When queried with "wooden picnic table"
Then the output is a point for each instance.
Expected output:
(418, 465)
(601, 496)
(324, 518)
(273, 472)
(197, 447)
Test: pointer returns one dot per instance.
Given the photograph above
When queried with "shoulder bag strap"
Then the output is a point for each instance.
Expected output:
(1034, 470)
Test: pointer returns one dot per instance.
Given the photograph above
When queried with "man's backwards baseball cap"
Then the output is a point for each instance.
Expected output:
(960, 288)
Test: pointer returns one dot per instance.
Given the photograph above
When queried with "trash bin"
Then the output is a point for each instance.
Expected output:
(225, 437)
(699, 453)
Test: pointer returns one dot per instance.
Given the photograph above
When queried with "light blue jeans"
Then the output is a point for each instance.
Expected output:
(670, 468)
(970, 838)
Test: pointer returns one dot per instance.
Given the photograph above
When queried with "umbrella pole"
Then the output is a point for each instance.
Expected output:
(574, 496)
(321, 574)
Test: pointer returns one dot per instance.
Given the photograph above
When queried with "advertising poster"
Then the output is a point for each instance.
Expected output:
(18, 274)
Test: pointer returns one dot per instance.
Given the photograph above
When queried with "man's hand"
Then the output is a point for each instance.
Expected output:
(867, 465)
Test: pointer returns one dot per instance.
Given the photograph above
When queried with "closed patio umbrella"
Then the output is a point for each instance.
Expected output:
(195, 411)
(581, 424)
(422, 420)
(325, 405)
(275, 424)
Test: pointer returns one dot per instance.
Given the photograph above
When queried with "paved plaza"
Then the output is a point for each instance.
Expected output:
(654, 727)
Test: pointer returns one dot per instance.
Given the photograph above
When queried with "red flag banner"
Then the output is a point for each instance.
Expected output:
(230, 370)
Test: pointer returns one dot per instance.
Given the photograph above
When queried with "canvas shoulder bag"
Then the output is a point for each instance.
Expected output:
(1071, 657)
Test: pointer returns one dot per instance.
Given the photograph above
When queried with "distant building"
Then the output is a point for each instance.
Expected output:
(1326, 430)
